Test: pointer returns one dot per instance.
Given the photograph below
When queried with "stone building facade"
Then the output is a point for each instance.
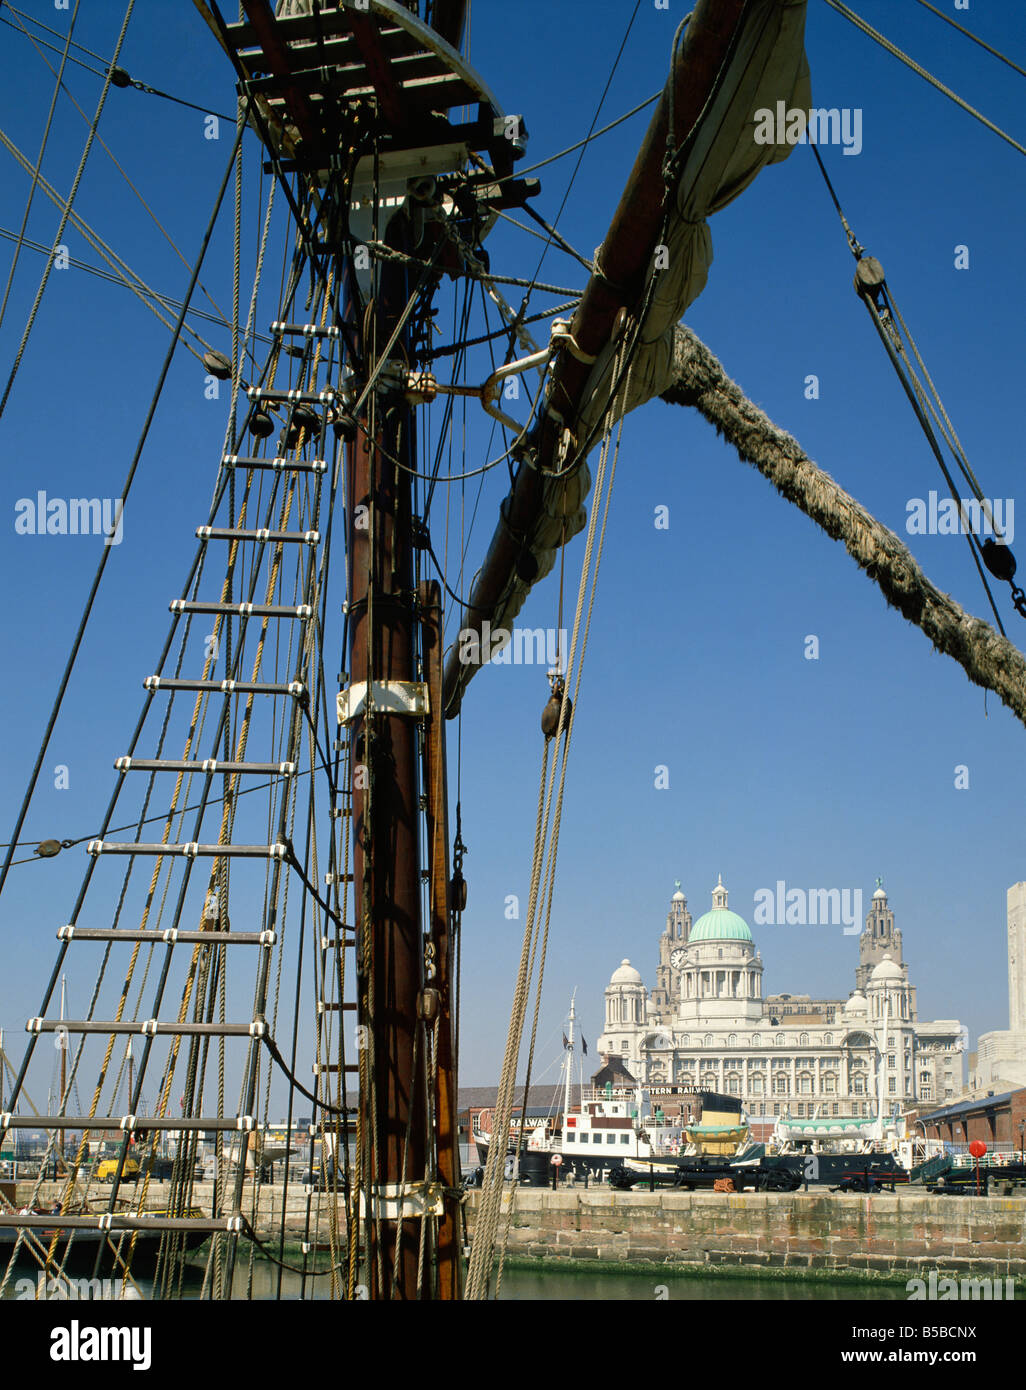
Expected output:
(709, 1024)
(1001, 1055)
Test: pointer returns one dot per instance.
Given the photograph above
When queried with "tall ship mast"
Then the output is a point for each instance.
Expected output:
(272, 901)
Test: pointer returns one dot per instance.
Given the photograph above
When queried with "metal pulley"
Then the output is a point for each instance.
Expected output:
(869, 277)
(217, 364)
(458, 892)
(261, 424)
(550, 714)
(999, 559)
(428, 1003)
(305, 417)
(344, 426)
(527, 566)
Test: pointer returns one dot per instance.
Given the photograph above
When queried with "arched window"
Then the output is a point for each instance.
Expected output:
(803, 1040)
(732, 1040)
(708, 1041)
(756, 1040)
(828, 1039)
(779, 1040)
(709, 1081)
(685, 1041)
(780, 1084)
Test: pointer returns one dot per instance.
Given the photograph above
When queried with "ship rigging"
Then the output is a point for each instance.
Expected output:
(306, 875)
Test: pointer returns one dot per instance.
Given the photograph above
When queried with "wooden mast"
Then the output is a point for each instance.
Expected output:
(405, 1032)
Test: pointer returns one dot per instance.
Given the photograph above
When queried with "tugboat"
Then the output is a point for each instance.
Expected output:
(617, 1129)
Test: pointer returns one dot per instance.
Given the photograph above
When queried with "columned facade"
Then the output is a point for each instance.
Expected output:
(708, 1024)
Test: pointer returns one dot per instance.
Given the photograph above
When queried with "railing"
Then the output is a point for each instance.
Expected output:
(997, 1155)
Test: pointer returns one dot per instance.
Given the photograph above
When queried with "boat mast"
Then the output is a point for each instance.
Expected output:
(64, 1064)
(568, 1063)
(384, 113)
(385, 792)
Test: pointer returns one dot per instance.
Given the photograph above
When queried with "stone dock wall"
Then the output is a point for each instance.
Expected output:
(888, 1236)
(881, 1235)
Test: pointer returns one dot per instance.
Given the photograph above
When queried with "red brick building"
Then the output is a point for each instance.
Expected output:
(999, 1121)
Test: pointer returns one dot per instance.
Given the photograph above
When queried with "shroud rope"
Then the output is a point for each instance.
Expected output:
(988, 659)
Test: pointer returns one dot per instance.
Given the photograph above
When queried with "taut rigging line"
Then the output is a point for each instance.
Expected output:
(872, 289)
(970, 35)
(58, 84)
(66, 214)
(910, 62)
(130, 478)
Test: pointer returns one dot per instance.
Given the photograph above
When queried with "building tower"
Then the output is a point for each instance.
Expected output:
(671, 958)
(1001, 1055)
(890, 1015)
(626, 1000)
(1017, 958)
(879, 938)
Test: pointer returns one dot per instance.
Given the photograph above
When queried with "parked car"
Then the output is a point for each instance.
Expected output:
(159, 1169)
(107, 1167)
(960, 1182)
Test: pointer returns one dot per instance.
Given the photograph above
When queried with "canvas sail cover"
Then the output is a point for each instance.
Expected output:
(767, 65)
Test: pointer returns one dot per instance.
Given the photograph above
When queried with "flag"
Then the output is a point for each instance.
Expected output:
(566, 1041)
(584, 1047)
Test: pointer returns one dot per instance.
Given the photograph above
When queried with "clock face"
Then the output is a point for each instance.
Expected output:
(677, 957)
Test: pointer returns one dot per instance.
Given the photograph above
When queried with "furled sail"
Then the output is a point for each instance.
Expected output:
(723, 157)
(763, 64)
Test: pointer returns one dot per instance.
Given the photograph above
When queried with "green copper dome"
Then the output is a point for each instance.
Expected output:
(720, 924)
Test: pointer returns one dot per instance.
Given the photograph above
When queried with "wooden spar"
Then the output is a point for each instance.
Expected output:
(385, 804)
(621, 267)
(439, 988)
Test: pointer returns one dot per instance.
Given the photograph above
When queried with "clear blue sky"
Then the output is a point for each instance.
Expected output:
(823, 774)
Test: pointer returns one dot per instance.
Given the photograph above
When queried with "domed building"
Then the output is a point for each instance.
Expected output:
(720, 970)
(708, 1025)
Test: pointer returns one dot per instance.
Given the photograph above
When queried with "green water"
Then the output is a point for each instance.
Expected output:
(581, 1286)
(574, 1284)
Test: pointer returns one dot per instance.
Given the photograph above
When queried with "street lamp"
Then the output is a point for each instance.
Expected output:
(1022, 1139)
